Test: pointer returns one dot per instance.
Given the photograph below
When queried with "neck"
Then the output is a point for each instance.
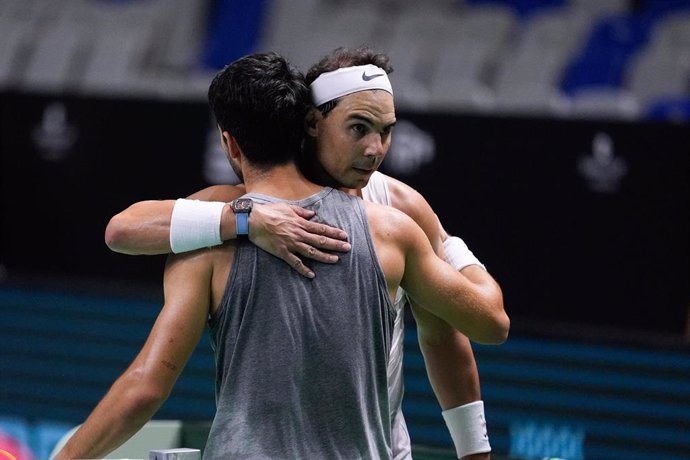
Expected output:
(312, 169)
(285, 181)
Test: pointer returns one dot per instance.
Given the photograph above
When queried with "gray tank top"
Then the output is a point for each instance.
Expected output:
(301, 364)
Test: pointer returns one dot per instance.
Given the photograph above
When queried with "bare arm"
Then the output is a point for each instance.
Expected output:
(144, 227)
(447, 353)
(278, 228)
(444, 292)
(145, 385)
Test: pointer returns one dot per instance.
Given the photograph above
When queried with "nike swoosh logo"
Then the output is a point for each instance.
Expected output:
(366, 77)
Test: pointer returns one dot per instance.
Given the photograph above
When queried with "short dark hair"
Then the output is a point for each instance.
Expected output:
(261, 100)
(344, 57)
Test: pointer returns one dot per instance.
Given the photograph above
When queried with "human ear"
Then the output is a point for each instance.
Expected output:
(233, 148)
(223, 139)
(311, 122)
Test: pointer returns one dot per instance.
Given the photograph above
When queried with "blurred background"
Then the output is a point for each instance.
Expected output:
(553, 136)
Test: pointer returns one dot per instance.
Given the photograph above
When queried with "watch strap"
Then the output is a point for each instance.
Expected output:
(242, 223)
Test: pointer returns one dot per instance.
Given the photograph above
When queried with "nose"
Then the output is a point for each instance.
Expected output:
(375, 147)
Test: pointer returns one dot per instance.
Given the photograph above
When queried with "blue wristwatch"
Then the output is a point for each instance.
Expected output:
(242, 207)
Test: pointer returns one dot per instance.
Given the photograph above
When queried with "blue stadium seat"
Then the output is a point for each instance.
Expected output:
(669, 109)
(523, 8)
(659, 8)
(607, 51)
(233, 32)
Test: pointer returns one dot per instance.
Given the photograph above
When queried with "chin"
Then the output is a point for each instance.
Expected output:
(358, 183)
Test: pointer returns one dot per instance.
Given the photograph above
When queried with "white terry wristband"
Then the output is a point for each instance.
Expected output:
(195, 224)
(467, 427)
(458, 255)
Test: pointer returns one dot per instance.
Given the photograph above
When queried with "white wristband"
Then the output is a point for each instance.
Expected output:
(195, 224)
(467, 427)
(458, 255)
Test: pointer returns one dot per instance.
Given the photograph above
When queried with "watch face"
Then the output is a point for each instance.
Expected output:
(242, 205)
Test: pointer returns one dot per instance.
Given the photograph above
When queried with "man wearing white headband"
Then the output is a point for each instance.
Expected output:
(348, 135)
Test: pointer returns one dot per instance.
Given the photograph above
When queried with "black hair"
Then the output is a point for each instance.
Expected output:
(261, 100)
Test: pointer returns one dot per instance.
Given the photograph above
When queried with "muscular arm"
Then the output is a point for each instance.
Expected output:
(278, 228)
(447, 353)
(145, 385)
(439, 289)
(144, 227)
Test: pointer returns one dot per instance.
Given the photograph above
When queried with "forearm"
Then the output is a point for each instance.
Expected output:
(141, 229)
(127, 406)
(145, 227)
(453, 375)
(464, 306)
(448, 354)
(449, 361)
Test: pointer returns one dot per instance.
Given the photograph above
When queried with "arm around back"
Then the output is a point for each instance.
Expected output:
(144, 227)
(205, 219)
(470, 308)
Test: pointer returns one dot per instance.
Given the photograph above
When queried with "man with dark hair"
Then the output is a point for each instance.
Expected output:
(301, 365)
(343, 148)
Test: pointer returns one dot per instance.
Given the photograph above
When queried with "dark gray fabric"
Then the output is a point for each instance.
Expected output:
(301, 364)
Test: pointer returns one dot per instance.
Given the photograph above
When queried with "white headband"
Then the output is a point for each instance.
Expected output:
(348, 80)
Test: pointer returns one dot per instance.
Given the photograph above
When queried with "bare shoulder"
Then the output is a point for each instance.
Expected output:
(404, 197)
(393, 233)
(208, 266)
(412, 203)
(219, 193)
(390, 223)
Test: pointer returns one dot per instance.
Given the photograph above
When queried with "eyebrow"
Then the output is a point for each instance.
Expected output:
(369, 120)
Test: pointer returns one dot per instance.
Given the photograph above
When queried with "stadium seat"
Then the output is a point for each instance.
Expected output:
(523, 8)
(606, 53)
(603, 103)
(675, 110)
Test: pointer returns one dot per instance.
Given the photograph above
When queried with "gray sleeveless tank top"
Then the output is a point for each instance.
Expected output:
(301, 364)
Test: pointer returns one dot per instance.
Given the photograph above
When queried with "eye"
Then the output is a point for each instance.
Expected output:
(359, 129)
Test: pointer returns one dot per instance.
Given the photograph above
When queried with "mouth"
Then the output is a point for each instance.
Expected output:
(365, 167)
(364, 171)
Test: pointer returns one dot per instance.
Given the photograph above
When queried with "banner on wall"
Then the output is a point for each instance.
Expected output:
(579, 221)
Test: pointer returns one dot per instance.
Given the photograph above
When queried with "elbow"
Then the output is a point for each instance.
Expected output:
(494, 332)
(116, 235)
(500, 320)
(143, 395)
(497, 326)
(149, 398)
(502, 329)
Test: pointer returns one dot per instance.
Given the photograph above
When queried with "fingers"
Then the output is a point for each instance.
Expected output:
(302, 212)
(311, 252)
(296, 263)
(318, 228)
(324, 243)
(325, 237)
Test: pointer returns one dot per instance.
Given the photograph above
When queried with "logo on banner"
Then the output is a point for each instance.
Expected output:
(54, 137)
(411, 148)
(601, 168)
(529, 439)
